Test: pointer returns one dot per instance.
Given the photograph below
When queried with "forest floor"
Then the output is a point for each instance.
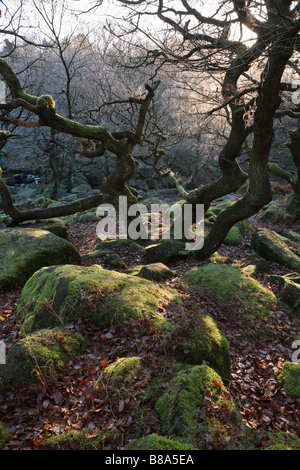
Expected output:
(71, 400)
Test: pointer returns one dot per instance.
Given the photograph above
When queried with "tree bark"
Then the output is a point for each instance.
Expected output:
(259, 192)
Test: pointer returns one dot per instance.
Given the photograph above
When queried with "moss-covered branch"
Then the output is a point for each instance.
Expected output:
(119, 143)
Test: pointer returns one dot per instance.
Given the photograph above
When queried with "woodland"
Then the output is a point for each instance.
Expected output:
(136, 342)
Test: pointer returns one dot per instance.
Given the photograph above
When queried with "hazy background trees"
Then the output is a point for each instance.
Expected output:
(90, 72)
(219, 93)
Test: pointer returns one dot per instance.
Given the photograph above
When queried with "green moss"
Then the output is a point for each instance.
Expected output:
(283, 441)
(42, 249)
(244, 225)
(226, 282)
(81, 440)
(114, 261)
(45, 102)
(211, 215)
(155, 272)
(290, 377)
(4, 437)
(233, 237)
(272, 213)
(289, 219)
(120, 243)
(124, 369)
(293, 205)
(90, 292)
(39, 355)
(166, 251)
(271, 245)
(55, 225)
(199, 340)
(178, 407)
(155, 442)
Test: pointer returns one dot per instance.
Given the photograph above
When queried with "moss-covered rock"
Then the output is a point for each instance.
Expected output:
(289, 219)
(283, 441)
(290, 294)
(155, 442)
(5, 437)
(293, 205)
(4, 220)
(290, 378)
(199, 340)
(165, 251)
(98, 254)
(291, 235)
(74, 292)
(272, 246)
(88, 217)
(38, 355)
(155, 272)
(233, 237)
(255, 264)
(272, 213)
(83, 188)
(25, 250)
(123, 369)
(56, 226)
(244, 225)
(227, 282)
(82, 439)
(120, 243)
(114, 261)
(179, 408)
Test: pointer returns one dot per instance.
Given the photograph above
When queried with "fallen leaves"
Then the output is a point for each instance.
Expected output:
(73, 401)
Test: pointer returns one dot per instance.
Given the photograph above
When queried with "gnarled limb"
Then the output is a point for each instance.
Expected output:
(120, 143)
(19, 216)
(259, 192)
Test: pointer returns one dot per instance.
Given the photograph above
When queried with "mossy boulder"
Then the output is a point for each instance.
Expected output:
(83, 188)
(243, 225)
(272, 213)
(179, 408)
(289, 219)
(275, 247)
(226, 282)
(99, 254)
(199, 340)
(123, 369)
(165, 251)
(255, 264)
(56, 226)
(88, 217)
(25, 250)
(74, 292)
(155, 442)
(120, 243)
(114, 261)
(233, 237)
(5, 436)
(293, 205)
(291, 235)
(155, 272)
(38, 355)
(290, 291)
(290, 378)
(5, 220)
